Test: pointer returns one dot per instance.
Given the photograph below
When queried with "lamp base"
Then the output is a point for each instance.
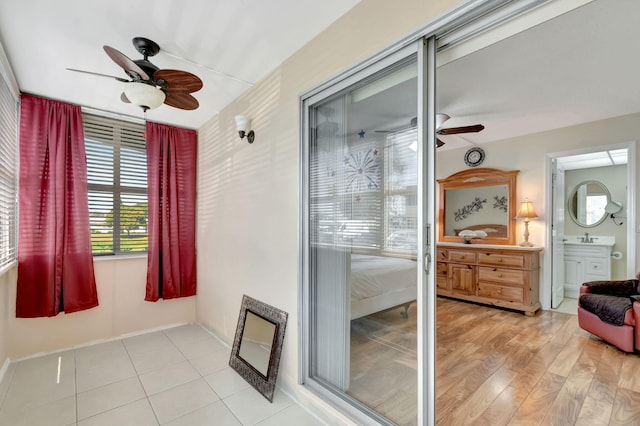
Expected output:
(526, 242)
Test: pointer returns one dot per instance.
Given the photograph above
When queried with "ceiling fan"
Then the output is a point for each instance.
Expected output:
(148, 86)
(440, 120)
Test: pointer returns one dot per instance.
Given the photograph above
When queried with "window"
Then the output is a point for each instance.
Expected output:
(117, 176)
(400, 192)
(8, 174)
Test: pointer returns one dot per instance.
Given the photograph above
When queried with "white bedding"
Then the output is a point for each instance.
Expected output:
(379, 283)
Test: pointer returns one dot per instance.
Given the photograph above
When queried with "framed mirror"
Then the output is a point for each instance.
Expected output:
(258, 344)
(478, 200)
(587, 203)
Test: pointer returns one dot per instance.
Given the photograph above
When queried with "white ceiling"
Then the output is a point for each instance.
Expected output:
(580, 67)
(229, 44)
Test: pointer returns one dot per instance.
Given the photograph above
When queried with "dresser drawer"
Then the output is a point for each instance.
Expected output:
(501, 276)
(510, 294)
(499, 259)
(462, 257)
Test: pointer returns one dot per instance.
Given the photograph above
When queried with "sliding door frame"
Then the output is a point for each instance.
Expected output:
(465, 21)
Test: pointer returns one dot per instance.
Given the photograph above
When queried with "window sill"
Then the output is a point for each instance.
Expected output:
(119, 257)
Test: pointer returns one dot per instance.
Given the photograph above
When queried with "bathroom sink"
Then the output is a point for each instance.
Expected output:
(595, 240)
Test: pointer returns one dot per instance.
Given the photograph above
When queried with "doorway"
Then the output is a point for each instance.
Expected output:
(608, 173)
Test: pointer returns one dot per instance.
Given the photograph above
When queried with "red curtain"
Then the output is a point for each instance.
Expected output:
(171, 171)
(55, 263)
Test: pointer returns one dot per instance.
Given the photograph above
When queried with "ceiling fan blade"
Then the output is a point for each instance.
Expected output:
(124, 80)
(181, 101)
(439, 143)
(125, 63)
(464, 129)
(178, 81)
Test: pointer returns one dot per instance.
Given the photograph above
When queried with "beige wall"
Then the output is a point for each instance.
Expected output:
(248, 194)
(615, 179)
(529, 155)
(122, 310)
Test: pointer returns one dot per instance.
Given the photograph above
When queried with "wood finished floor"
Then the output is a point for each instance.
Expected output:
(496, 367)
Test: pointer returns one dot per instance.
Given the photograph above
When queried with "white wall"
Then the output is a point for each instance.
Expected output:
(121, 286)
(248, 194)
(7, 280)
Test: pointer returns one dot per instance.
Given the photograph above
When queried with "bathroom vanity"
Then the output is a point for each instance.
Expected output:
(586, 258)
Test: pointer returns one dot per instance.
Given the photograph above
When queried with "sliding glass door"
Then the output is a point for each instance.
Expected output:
(363, 263)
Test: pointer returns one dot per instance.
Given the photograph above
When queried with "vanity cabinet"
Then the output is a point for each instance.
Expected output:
(506, 276)
(585, 262)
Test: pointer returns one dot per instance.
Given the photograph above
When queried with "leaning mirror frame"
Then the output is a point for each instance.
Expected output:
(277, 321)
(572, 203)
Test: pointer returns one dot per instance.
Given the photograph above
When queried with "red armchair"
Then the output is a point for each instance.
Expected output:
(610, 310)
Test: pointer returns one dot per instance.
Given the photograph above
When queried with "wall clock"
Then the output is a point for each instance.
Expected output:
(474, 156)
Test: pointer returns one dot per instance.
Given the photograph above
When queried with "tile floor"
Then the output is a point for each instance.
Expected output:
(178, 376)
(568, 306)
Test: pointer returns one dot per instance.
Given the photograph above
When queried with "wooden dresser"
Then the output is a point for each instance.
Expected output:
(506, 276)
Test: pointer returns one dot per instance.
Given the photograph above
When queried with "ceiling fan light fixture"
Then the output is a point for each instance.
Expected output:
(441, 119)
(144, 95)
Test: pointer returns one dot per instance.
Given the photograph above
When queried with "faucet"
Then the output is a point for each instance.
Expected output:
(586, 238)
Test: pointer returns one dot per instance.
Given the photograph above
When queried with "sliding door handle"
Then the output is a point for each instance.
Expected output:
(427, 263)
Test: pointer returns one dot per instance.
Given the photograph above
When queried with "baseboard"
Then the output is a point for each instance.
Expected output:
(99, 341)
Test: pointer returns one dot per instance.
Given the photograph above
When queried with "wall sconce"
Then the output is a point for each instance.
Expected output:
(612, 208)
(526, 212)
(242, 125)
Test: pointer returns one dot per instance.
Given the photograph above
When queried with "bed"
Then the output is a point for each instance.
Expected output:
(378, 283)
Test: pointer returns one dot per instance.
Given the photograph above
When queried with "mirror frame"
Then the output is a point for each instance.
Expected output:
(475, 178)
(574, 191)
(263, 384)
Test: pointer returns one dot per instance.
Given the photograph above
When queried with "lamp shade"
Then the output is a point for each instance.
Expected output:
(242, 123)
(144, 95)
(527, 211)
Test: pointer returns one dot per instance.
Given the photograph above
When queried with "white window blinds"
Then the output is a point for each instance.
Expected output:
(8, 174)
(400, 192)
(117, 175)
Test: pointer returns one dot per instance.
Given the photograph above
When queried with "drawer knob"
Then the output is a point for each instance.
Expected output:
(499, 259)
(499, 275)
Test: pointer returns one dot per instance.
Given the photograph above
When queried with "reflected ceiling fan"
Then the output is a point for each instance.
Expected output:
(440, 120)
(148, 86)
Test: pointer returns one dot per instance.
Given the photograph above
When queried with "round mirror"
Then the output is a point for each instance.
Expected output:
(587, 203)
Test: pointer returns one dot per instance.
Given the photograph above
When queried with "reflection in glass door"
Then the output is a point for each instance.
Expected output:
(362, 226)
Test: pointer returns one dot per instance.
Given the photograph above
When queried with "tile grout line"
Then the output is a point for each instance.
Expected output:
(133, 364)
(203, 378)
